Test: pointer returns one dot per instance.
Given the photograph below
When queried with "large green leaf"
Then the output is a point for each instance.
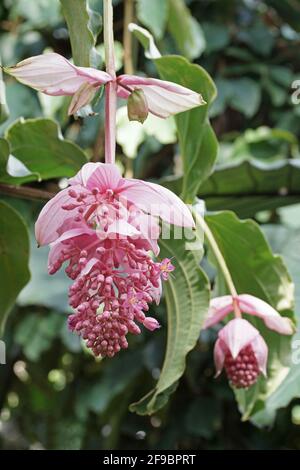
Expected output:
(255, 270)
(286, 241)
(251, 186)
(153, 15)
(84, 26)
(248, 187)
(43, 153)
(198, 143)
(242, 94)
(14, 254)
(187, 298)
(185, 30)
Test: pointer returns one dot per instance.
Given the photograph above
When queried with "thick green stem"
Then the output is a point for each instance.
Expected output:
(109, 37)
(221, 262)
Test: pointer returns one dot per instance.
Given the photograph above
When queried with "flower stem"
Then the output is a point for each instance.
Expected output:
(111, 87)
(127, 36)
(221, 262)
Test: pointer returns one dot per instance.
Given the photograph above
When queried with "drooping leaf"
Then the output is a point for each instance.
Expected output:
(146, 39)
(81, 19)
(255, 270)
(198, 143)
(185, 30)
(153, 15)
(187, 297)
(39, 146)
(14, 254)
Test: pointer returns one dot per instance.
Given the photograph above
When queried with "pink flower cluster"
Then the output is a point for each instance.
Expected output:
(106, 232)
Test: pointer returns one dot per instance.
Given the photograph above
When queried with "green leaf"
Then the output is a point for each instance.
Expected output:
(38, 144)
(198, 143)
(146, 40)
(286, 241)
(36, 334)
(242, 94)
(248, 187)
(251, 186)
(185, 30)
(84, 26)
(264, 144)
(14, 254)
(258, 37)
(187, 298)
(38, 13)
(153, 15)
(116, 377)
(4, 154)
(255, 270)
(216, 37)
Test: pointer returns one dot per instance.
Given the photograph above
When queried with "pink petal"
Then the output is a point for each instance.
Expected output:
(105, 176)
(219, 357)
(157, 201)
(260, 350)
(121, 227)
(54, 75)
(149, 230)
(237, 334)
(82, 97)
(272, 319)
(164, 98)
(53, 216)
(218, 309)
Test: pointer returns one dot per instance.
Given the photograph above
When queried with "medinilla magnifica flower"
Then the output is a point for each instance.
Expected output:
(54, 75)
(105, 227)
(240, 348)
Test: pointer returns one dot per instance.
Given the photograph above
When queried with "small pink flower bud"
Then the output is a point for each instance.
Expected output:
(151, 324)
(137, 106)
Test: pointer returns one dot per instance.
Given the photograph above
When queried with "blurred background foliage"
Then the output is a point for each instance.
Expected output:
(53, 393)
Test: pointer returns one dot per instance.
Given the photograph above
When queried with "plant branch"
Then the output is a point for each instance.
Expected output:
(127, 37)
(221, 261)
(25, 192)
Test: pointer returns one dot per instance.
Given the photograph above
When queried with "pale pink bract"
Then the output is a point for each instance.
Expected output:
(53, 74)
(240, 348)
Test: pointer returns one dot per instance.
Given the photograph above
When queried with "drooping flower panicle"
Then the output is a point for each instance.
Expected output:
(240, 348)
(105, 226)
